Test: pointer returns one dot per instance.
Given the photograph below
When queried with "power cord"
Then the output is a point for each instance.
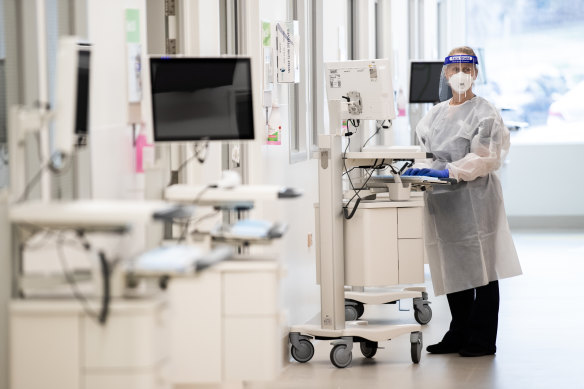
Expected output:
(32, 182)
(195, 221)
(377, 132)
(196, 200)
(346, 213)
(73, 284)
(35, 179)
(199, 152)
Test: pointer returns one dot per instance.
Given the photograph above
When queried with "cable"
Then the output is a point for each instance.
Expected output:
(346, 213)
(106, 296)
(376, 132)
(345, 164)
(106, 272)
(196, 200)
(32, 182)
(72, 283)
(350, 170)
(195, 221)
(197, 155)
(345, 208)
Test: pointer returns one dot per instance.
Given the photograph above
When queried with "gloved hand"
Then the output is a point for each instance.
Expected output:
(411, 172)
(434, 173)
(427, 172)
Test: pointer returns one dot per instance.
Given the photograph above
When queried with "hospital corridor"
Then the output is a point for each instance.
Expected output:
(291, 194)
(538, 346)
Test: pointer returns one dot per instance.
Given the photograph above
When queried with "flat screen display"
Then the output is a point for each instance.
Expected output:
(82, 109)
(425, 82)
(201, 98)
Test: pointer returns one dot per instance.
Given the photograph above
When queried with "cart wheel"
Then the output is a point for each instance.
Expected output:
(351, 313)
(304, 353)
(360, 310)
(340, 357)
(416, 350)
(424, 315)
(369, 348)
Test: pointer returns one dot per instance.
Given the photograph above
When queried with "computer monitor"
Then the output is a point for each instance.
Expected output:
(425, 82)
(72, 93)
(370, 78)
(201, 98)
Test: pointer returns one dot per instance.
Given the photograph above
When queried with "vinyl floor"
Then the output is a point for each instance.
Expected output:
(540, 339)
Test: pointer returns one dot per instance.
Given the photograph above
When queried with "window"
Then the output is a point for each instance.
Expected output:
(300, 95)
(540, 77)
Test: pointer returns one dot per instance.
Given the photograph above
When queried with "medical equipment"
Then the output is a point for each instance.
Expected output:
(330, 221)
(70, 116)
(247, 299)
(86, 217)
(72, 93)
(201, 98)
(425, 82)
(340, 260)
(365, 87)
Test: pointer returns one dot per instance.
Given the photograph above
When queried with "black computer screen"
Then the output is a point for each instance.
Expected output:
(82, 109)
(201, 99)
(425, 81)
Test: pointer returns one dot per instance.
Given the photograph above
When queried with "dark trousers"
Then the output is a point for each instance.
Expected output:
(475, 316)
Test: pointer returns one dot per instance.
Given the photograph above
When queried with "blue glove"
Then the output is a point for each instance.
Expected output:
(433, 173)
(411, 172)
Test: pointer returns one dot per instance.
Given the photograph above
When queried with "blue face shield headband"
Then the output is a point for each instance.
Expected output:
(461, 59)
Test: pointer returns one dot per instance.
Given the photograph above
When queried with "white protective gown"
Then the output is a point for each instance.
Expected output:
(467, 239)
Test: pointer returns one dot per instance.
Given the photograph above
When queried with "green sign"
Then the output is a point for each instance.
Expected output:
(267, 33)
(132, 25)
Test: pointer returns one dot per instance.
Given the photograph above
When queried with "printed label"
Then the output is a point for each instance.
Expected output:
(334, 79)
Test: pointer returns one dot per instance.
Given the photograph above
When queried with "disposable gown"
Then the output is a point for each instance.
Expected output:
(467, 236)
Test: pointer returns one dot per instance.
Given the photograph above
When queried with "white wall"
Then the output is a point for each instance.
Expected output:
(299, 291)
(456, 24)
(5, 288)
(111, 137)
(539, 187)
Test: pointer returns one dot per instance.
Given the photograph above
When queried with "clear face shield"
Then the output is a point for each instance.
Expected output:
(458, 73)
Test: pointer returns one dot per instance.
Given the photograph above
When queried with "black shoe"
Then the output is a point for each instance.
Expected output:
(472, 351)
(443, 348)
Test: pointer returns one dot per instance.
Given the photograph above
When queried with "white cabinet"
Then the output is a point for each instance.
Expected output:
(226, 324)
(55, 344)
(384, 244)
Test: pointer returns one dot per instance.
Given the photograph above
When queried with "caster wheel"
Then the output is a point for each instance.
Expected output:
(369, 349)
(340, 357)
(360, 310)
(416, 350)
(304, 353)
(424, 315)
(351, 313)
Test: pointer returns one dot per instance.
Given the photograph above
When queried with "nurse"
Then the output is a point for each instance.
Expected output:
(467, 239)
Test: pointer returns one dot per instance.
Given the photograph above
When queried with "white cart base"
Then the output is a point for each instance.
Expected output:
(354, 301)
(368, 335)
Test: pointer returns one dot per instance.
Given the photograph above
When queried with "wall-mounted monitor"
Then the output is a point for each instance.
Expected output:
(201, 98)
(370, 78)
(72, 93)
(425, 82)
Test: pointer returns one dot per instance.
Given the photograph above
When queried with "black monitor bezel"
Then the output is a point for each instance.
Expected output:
(429, 62)
(241, 137)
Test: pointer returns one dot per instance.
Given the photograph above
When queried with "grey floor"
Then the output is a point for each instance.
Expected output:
(540, 342)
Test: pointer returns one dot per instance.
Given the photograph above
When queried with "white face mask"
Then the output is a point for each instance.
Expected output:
(460, 82)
